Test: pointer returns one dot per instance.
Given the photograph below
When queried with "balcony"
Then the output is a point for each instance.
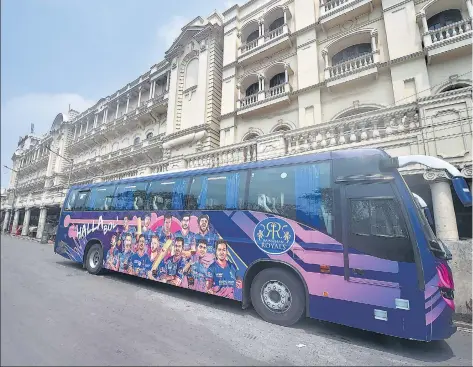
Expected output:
(363, 66)
(265, 45)
(453, 40)
(119, 126)
(333, 12)
(148, 151)
(264, 99)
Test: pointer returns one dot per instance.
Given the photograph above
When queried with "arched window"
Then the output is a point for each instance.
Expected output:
(276, 24)
(192, 72)
(252, 89)
(444, 18)
(278, 79)
(356, 111)
(250, 136)
(136, 141)
(114, 147)
(351, 53)
(281, 129)
(253, 35)
(454, 87)
(149, 135)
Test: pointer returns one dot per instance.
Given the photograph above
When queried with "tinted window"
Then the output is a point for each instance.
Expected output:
(376, 217)
(69, 203)
(377, 228)
(299, 192)
(167, 194)
(81, 198)
(218, 192)
(101, 198)
(271, 190)
(130, 196)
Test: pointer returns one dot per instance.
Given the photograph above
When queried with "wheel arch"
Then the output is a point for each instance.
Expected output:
(261, 264)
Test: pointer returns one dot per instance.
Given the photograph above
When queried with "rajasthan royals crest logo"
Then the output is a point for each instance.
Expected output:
(274, 236)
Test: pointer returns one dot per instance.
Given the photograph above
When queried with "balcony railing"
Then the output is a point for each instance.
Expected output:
(449, 31)
(350, 66)
(333, 4)
(249, 46)
(274, 91)
(237, 153)
(248, 101)
(264, 39)
(262, 95)
(274, 33)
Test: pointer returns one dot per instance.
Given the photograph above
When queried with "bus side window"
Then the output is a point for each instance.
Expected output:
(101, 198)
(271, 190)
(314, 196)
(68, 205)
(130, 196)
(192, 198)
(377, 228)
(160, 195)
(80, 201)
(223, 191)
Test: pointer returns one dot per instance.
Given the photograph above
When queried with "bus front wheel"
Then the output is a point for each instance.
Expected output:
(94, 260)
(278, 296)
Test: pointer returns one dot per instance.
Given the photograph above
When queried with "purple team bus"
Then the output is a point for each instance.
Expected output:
(335, 236)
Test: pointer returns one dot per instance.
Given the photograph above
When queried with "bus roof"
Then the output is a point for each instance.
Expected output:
(351, 153)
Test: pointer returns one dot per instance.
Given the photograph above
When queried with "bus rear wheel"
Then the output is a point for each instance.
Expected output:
(278, 296)
(94, 259)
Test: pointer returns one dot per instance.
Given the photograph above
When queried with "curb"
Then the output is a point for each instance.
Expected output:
(463, 326)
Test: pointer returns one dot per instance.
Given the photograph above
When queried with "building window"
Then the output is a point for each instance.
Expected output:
(192, 72)
(281, 129)
(276, 24)
(253, 36)
(444, 18)
(252, 89)
(351, 52)
(278, 79)
(454, 87)
(149, 135)
(136, 141)
(250, 136)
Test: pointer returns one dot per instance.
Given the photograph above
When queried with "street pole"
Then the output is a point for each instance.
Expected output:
(14, 196)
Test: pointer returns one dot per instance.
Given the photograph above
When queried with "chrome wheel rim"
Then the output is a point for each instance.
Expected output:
(94, 259)
(276, 296)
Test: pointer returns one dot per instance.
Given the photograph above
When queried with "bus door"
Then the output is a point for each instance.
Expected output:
(379, 262)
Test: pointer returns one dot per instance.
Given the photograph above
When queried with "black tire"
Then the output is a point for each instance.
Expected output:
(94, 259)
(295, 308)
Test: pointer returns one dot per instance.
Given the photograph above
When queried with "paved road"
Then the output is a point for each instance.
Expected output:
(54, 312)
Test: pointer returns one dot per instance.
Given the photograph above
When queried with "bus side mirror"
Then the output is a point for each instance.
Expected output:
(462, 190)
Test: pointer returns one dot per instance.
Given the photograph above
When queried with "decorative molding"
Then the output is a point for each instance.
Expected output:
(230, 20)
(307, 43)
(467, 171)
(270, 60)
(435, 175)
(228, 66)
(341, 35)
(396, 6)
(273, 40)
(305, 29)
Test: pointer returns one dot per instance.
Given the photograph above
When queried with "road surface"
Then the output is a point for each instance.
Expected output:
(54, 313)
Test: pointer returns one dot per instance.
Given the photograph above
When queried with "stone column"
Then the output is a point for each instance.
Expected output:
(26, 222)
(470, 8)
(87, 126)
(139, 96)
(118, 106)
(425, 27)
(16, 218)
(285, 14)
(6, 220)
(444, 212)
(127, 103)
(374, 47)
(41, 221)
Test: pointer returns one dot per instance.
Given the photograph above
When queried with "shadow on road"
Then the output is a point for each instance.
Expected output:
(436, 351)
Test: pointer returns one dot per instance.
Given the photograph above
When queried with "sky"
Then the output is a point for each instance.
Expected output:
(60, 52)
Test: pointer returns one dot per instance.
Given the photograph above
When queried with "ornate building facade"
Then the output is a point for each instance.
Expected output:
(272, 78)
